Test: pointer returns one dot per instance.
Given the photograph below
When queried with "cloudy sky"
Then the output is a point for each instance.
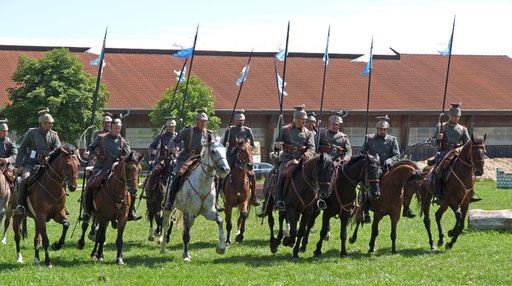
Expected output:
(408, 26)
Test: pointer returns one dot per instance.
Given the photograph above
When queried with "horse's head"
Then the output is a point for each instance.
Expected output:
(244, 155)
(374, 172)
(216, 156)
(478, 154)
(323, 174)
(64, 161)
(131, 165)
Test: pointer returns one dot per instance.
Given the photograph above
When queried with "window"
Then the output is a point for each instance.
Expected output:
(417, 134)
(356, 134)
(495, 135)
(139, 137)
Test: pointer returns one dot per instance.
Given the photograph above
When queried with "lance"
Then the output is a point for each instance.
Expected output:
(369, 88)
(277, 82)
(188, 79)
(282, 84)
(326, 61)
(89, 136)
(447, 75)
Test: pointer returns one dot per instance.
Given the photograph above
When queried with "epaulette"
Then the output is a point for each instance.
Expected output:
(10, 140)
(371, 136)
(54, 132)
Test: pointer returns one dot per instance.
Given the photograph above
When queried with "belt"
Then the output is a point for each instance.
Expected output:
(291, 148)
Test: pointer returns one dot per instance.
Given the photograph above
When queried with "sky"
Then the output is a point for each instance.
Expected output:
(408, 26)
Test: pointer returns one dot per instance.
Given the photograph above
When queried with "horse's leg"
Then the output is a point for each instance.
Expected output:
(280, 234)
(228, 211)
(439, 215)
(169, 231)
(323, 234)
(273, 240)
(119, 241)
(300, 233)
(81, 240)
(358, 219)
(459, 225)
(375, 231)
(395, 217)
(292, 217)
(62, 219)
(345, 216)
(311, 223)
(92, 232)
(187, 224)
(6, 224)
(100, 237)
(158, 221)
(241, 221)
(425, 205)
(212, 214)
(16, 221)
(41, 234)
(162, 241)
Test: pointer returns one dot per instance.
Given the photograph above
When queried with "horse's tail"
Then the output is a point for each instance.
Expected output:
(24, 233)
(353, 215)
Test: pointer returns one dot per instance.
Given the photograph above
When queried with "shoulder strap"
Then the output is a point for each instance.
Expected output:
(288, 132)
(122, 143)
(443, 127)
(325, 137)
(190, 139)
(102, 139)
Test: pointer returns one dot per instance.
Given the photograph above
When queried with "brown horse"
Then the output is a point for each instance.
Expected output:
(47, 200)
(112, 203)
(237, 190)
(343, 198)
(403, 174)
(459, 188)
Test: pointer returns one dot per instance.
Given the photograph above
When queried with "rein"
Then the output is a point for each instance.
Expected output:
(343, 207)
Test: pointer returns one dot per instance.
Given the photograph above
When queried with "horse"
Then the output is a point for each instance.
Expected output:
(308, 185)
(47, 200)
(459, 188)
(392, 186)
(5, 197)
(112, 203)
(154, 186)
(196, 195)
(343, 198)
(237, 189)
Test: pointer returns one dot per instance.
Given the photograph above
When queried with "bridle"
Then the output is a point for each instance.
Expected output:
(471, 160)
(240, 162)
(207, 162)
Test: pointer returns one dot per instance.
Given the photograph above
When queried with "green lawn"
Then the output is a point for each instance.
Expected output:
(478, 257)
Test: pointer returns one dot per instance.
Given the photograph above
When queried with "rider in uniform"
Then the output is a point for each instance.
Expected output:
(335, 142)
(239, 132)
(107, 125)
(191, 137)
(297, 141)
(8, 151)
(36, 145)
(448, 136)
(311, 123)
(111, 148)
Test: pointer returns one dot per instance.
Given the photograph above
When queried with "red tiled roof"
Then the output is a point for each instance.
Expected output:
(413, 82)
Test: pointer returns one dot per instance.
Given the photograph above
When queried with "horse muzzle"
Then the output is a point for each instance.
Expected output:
(223, 171)
(478, 172)
(72, 187)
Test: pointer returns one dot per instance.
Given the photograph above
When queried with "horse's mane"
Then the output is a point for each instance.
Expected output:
(70, 149)
(326, 162)
(355, 159)
(405, 162)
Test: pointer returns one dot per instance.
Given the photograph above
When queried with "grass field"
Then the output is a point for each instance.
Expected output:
(478, 257)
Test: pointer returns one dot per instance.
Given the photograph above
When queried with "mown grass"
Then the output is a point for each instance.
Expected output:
(478, 257)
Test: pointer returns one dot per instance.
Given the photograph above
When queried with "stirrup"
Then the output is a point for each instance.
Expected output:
(281, 206)
(20, 210)
(474, 200)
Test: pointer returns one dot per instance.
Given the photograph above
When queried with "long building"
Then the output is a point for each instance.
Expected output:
(407, 87)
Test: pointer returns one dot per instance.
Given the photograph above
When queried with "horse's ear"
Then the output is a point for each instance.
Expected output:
(485, 137)
(321, 156)
(130, 156)
(141, 157)
(237, 141)
(472, 138)
(210, 138)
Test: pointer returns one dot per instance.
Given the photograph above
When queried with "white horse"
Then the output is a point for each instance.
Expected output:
(197, 195)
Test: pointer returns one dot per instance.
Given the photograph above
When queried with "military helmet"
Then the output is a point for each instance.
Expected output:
(383, 121)
(239, 114)
(455, 110)
(311, 117)
(107, 117)
(337, 117)
(300, 112)
(118, 122)
(170, 121)
(44, 116)
(3, 125)
(201, 114)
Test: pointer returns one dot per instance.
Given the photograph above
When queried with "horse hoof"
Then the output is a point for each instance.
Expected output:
(317, 253)
(19, 258)
(449, 246)
(433, 247)
(186, 259)
(4, 240)
(220, 250)
(273, 249)
(440, 243)
(343, 254)
(120, 261)
(352, 240)
(80, 245)
(163, 251)
(371, 251)
(450, 233)
(295, 259)
(239, 238)
(100, 259)
(56, 246)
(37, 262)
(228, 243)
(151, 238)
(393, 252)
(50, 265)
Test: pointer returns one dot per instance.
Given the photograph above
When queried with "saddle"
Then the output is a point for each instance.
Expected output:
(96, 180)
(447, 160)
(159, 168)
(35, 173)
(9, 175)
(189, 166)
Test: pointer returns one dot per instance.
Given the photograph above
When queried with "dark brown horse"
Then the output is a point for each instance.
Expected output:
(237, 190)
(343, 198)
(459, 188)
(112, 203)
(403, 174)
(309, 183)
(47, 200)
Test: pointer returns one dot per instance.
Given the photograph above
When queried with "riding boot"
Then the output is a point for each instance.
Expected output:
(88, 204)
(132, 215)
(218, 186)
(407, 212)
(22, 198)
(252, 183)
(173, 190)
(439, 191)
(475, 198)
(280, 204)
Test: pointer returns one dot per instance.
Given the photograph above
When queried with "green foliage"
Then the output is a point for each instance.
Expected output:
(57, 81)
(199, 96)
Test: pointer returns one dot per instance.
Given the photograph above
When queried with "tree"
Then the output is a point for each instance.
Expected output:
(57, 81)
(199, 96)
